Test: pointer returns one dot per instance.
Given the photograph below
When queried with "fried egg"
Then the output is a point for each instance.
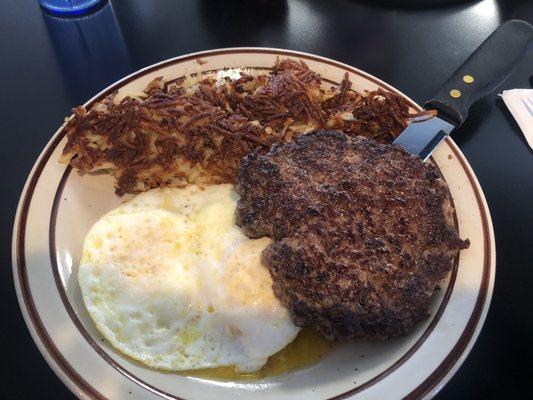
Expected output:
(171, 281)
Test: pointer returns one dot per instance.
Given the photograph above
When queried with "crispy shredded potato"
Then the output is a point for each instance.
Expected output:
(187, 130)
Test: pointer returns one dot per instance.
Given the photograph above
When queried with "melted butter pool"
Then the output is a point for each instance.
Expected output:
(308, 348)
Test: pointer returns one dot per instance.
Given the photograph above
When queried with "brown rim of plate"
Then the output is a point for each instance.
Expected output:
(423, 389)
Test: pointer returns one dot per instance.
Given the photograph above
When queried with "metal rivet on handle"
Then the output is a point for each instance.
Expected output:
(468, 79)
(455, 93)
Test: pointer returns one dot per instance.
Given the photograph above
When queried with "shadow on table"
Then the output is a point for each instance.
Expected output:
(255, 19)
(90, 51)
(500, 105)
(415, 4)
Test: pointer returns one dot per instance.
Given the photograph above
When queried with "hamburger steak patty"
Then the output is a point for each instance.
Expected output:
(363, 232)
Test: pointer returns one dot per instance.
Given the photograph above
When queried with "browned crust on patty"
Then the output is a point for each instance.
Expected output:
(363, 232)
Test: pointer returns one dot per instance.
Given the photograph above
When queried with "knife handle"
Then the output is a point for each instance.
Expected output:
(488, 67)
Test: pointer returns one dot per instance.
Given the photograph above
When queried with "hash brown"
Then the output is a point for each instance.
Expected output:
(195, 130)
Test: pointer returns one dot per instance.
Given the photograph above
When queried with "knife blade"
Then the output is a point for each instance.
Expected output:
(421, 138)
(486, 68)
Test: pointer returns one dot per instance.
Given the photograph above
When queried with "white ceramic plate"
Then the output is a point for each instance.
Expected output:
(58, 206)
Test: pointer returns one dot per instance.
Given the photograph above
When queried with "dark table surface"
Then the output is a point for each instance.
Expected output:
(49, 65)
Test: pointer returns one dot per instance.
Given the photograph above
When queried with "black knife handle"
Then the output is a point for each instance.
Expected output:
(488, 67)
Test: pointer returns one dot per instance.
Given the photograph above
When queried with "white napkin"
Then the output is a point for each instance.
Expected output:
(520, 104)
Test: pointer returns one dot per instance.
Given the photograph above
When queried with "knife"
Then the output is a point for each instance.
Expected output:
(488, 67)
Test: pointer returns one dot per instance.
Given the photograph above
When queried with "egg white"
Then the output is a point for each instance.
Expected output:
(170, 280)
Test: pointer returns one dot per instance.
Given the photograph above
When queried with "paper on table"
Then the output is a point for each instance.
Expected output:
(520, 104)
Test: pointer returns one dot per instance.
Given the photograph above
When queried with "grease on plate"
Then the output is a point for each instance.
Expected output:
(307, 349)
